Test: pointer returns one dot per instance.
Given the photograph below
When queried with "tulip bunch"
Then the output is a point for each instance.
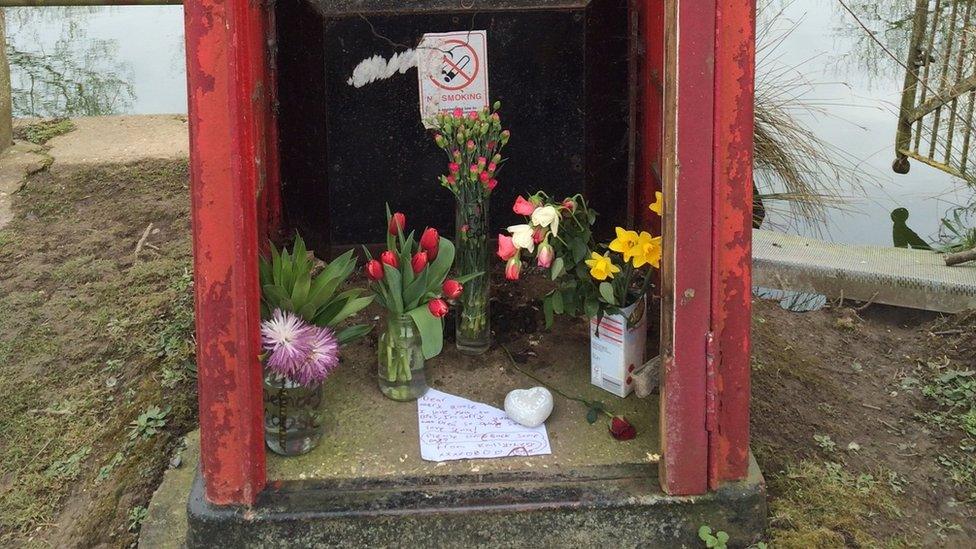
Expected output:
(410, 278)
(473, 144)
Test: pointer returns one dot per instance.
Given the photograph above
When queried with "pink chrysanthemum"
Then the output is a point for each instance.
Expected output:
(299, 351)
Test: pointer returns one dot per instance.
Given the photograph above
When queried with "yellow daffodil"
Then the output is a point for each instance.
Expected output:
(625, 243)
(601, 267)
(658, 205)
(647, 250)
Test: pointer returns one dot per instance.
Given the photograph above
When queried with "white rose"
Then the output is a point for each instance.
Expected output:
(547, 216)
(522, 237)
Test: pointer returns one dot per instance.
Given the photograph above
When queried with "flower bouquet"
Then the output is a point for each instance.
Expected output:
(408, 279)
(301, 314)
(608, 283)
(473, 145)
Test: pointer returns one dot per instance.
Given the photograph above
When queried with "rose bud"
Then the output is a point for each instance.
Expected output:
(621, 429)
(464, 228)
(451, 180)
(473, 115)
(473, 168)
(484, 177)
(458, 113)
(439, 139)
(506, 248)
(470, 145)
(491, 145)
(513, 268)
(506, 135)
(538, 234)
(374, 270)
(398, 222)
(437, 307)
(497, 158)
(545, 255)
(482, 161)
(492, 167)
(453, 167)
(457, 154)
(494, 116)
(390, 258)
(570, 205)
(523, 206)
(418, 262)
(452, 289)
(492, 184)
(430, 241)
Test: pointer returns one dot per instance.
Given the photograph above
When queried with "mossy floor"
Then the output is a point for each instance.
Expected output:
(368, 435)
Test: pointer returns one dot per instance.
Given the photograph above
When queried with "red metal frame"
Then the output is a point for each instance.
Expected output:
(232, 164)
(695, 117)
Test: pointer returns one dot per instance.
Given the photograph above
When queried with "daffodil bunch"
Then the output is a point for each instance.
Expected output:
(623, 272)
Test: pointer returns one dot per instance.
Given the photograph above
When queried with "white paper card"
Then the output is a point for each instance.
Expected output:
(452, 72)
(452, 427)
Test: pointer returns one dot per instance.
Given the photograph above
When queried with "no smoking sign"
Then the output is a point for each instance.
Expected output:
(452, 72)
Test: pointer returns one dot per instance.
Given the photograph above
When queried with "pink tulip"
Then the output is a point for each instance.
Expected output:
(506, 249)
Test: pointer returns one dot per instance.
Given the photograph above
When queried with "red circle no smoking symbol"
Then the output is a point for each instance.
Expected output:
(458, 68)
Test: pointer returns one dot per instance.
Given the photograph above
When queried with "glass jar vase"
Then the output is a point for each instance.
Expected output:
(292, 415)
(401, 360)
(472, 318)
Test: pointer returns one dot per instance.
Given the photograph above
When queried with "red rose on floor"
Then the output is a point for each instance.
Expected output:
(397, 220)
(374, 270)
(437, 307)
(621, 429)
(452, 289)
(390, 259)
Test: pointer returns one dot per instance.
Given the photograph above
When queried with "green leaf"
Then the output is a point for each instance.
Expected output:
(351, 307)
(431, 331)
(416, 290)
(353, 333)
(558, 266)
(606, 291)
(441, 265)
(591, 307)
(300, 291)
(394, 283)
(591, 415)
(276, 297)
(557, 302)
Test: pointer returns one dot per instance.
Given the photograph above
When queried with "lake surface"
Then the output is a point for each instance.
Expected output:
(131, 60)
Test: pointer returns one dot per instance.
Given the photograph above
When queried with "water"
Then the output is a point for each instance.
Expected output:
(131, 60)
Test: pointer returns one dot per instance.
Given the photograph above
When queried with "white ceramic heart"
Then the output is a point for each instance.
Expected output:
(529, 407)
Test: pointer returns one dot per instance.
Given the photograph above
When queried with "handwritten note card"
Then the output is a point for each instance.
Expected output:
(452, 427)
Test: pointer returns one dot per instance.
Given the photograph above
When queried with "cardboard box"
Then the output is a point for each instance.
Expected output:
(617, 353)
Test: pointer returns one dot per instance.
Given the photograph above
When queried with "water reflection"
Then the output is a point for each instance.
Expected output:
(85, 61)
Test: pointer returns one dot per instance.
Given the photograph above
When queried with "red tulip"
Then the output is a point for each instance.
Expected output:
(523, 206)
(374, 270)
(513, 268)
(437, 307)
(398, 222)
(418, 262)
(430, 242)
(452, 289)
(506, 249)
(390, 259)
(621, 429)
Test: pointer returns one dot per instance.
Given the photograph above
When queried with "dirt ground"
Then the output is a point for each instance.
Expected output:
(863, 420)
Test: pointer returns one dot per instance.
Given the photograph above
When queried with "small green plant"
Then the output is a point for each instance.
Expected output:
(825, 442)
(41, 132)
(69, 467)
(717, 540)
(287, 284)
(148, 423)
(957, 231)
(136, 517)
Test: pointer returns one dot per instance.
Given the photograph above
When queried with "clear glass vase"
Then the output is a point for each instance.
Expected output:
(401, 360)
(472, 326)
(292, 415)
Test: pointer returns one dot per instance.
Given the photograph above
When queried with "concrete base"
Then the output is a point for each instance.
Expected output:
(604, 506)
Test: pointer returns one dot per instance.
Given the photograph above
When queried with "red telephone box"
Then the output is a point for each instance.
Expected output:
(692, 77)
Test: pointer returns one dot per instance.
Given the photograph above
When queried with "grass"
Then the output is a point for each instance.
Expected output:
(820, 504)
(89, 336)
(41, 132)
